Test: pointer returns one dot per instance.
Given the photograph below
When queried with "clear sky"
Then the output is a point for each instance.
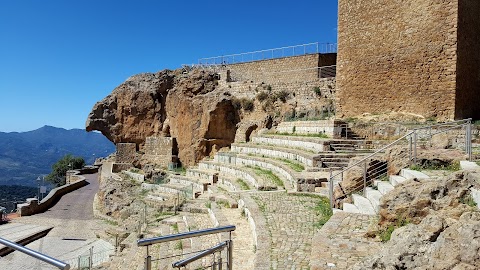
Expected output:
(59, 57)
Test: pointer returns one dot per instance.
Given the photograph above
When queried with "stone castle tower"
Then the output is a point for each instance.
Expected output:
(415, 56)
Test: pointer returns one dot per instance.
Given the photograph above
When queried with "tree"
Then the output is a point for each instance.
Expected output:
(60, 168)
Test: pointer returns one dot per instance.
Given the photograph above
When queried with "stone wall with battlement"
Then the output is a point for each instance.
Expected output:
(302, 68)
(402, 56)
(158, 150)
(126, 153)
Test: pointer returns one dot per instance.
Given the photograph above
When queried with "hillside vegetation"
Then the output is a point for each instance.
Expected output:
(26, 155)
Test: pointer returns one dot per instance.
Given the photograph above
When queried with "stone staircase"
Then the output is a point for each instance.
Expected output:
(369, 204)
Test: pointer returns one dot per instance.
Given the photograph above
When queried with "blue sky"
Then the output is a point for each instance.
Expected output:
(58, 57)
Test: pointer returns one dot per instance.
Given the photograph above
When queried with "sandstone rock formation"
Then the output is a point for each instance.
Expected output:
(187, 107)
(444, 232)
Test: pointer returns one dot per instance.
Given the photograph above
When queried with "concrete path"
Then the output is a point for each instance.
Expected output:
(74, 231)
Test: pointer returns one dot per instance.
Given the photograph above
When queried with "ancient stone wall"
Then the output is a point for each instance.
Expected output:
(158, 150)
(399, 56)
(126, 153)
(302, 68)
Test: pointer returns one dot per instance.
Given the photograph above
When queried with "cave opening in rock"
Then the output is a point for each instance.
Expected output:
(249, 131)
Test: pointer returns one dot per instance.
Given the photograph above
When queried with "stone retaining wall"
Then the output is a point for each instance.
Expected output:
(158, 150)
(331, 128)
(34, 207)
(281, 70)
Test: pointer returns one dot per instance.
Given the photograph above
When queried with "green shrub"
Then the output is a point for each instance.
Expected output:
(262, 96)
(282, 95)
(317, 91)
(247, 104)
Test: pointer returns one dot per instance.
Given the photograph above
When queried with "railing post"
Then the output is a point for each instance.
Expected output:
(230, 255)
(414, 147)
(220, 262)
(148, 263)
(410, 149)
(330, 189)
(365, 178)
(91, 258)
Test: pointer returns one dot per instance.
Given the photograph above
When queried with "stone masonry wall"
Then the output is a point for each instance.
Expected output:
(126, 153)
(281, 70)
(158, 150)
(397, 56)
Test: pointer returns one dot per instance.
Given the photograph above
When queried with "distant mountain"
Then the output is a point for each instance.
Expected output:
(26, 155)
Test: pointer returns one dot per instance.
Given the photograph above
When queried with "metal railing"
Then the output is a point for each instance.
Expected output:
(174, 237)
(35, 254)
(296, 50)
(375, 168)
(90, 260)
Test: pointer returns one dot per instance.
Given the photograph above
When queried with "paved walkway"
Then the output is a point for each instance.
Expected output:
(74, 230)
(341, 242)
(290, 222)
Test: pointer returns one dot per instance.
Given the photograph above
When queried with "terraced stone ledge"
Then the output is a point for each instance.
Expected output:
(307, 159)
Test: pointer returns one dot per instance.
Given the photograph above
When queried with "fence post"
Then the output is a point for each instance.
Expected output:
(230, 254)
(330, 189)
(148, 262)
(410, 149)
(91, 258)
(365, 178)
(414, 147)
(79, 259)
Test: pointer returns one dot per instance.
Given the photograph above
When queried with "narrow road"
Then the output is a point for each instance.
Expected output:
(76, 204)
(75, 231)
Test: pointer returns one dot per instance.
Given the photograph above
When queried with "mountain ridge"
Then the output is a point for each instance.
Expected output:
(26, 155)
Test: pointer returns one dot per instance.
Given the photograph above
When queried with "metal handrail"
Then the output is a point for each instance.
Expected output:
(373, 154)
(329, 48)
(413, 155)
(200, 255)
(465, 121)
(37, 255)
(180, 236)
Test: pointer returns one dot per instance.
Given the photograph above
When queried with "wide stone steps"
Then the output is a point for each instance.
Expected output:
(307, 159)
(239, 172)
(370, 203)
(305, 143)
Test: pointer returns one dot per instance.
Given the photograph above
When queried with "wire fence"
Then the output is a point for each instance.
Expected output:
(296, 50)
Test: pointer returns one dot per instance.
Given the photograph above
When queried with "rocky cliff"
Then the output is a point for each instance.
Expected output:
(437, 225)
(186, 105)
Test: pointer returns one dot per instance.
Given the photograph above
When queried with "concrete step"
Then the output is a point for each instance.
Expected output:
(409, 174)
(363, 204)
(383, 187)
(374, 197)
(350, 208)
(396, 179)
(468, 165)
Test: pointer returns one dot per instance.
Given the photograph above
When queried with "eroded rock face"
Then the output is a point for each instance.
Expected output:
(444, 233)
(189, 107)
(134, 110)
